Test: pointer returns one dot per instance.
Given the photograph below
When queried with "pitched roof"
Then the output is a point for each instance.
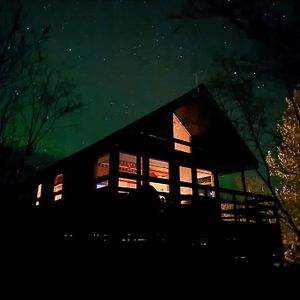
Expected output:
(214, 135)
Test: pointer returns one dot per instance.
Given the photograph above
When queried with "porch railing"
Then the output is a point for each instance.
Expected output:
(237, 206)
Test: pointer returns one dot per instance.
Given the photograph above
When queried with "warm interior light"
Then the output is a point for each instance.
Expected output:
(205, 177)
(39, 191)
(127, 183)
(58, 179)
(160, 187)
(186, 202)
(185, 174)
(184, 190)
(128, 163)
(58, 188)
(57, 197)
(181, 133)
(158, 168)
(102, 166)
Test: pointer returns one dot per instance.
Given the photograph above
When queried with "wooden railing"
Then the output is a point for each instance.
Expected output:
(235, 206)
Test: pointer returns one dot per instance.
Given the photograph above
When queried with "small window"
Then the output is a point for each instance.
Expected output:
(37, 203)
(185, 174)
(160, 187)
(102, 184)
(205, 177)
(127, 183)
(57, 197)
(39, 191)
(158, 169)
(186, 202)
(128, 163)
(184, 190)
(58, 187)
(58, 179)
(102, 166)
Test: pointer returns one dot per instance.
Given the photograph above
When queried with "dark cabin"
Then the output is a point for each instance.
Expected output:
(156, 181)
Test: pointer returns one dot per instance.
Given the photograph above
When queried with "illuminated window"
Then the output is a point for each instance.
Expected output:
(58, 179)
(57, 197)
(127, 183)
(205, 177)
(184, 190)
(158, 169)
(181, 133)
(186, 202)
(39, 191)
(102, 166)
(58, 187)
(185, 174)
(160, 187)
(142, 168)
(127, 163)
(100, 185)
(37, 203)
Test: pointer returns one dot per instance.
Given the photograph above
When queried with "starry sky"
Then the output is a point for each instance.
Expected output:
(128, 58)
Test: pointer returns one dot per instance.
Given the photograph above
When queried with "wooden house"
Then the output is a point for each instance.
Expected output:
(156, 181)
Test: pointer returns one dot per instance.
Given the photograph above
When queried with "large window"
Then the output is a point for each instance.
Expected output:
(181, 133)
(102, 166)
(58, 187)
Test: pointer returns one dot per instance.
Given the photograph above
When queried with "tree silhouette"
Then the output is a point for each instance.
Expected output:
(274, 27)
(33, 95)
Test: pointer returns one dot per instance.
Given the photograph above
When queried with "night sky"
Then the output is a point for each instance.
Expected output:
(128, 57)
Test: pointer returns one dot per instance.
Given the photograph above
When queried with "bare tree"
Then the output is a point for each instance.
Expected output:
(234, 90)
(33, 96)
(274, 30)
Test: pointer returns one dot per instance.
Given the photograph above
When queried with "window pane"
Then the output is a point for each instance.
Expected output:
(183, 148)
(185, 174)
(102, 167)
(58, 188)
(127, 163)
(58, 179)
(127, 183)
(100, 185)
(39, 191)
(205, 177)
(142, 167)
(179, 130)
(186, 202)
(160, 187)
(57, 197)
(158, 169)
(184, 190)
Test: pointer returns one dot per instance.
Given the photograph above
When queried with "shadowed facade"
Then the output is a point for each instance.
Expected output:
(155, 183)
